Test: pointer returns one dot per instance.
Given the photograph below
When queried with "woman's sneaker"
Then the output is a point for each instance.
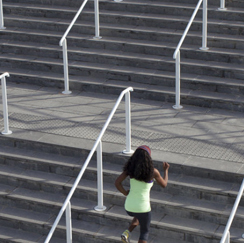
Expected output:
(125, 236)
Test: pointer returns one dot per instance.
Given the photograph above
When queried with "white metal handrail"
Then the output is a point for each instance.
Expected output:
(6, 130)
(63, 41)
(226, 235)
(222, 5)
(98, 145)
(177, 50)
(1, 16)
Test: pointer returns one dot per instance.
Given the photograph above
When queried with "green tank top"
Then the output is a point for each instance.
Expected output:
(138, 200)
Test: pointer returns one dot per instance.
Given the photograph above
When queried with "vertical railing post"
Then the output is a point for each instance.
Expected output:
(222, 6)
(177, 82)
(227, 237)
(66, 72)
(226, 234)
(204, 25)
(5, 105)
(1, 16)
(97, 27)
(128, 149)
(68, 223)
(100, 206)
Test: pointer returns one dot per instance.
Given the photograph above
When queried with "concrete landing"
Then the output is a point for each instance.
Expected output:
(201, 137)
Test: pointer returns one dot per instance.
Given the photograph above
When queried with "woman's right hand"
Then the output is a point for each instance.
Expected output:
(166, 166)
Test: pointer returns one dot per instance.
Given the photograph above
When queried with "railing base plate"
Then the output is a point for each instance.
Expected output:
(97, 37)
(204, 48)
(128, 152)
(177, 107)
(6, 133)
(66, 92)
(97, 208)
(222, 9)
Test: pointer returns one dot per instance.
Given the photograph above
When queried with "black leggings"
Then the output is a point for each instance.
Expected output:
(144, 220)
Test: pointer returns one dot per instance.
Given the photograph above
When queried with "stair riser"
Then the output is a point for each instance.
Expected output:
(133, 21)
(58, 54)
(115, 200)
(122, 61)
(77, 70)
(59, 233)
(158, 9)
(215, 3)
(120, 160)
(27, 37)
(196, 238)
(72, 171)
(146, 94)
(172, 189)
(195, 40)
(164, 10)
(108, 220)
(18, 224)
(44, 147)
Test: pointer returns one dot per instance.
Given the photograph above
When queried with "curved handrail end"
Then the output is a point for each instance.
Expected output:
(61, 42)
(6, 74)
(175, 54)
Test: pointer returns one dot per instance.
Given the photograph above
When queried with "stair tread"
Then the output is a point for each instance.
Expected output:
(19, 236)
(137, 86)
(164, 221)
(124, 69)
(109, 40)
(131, 55)
(150, 2)
(26, 193)
(125, 27)
(110, 168)
(157, 197)
(37, 176)
(145, 15)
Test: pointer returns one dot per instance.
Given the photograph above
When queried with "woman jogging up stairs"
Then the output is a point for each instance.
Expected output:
(193, 208)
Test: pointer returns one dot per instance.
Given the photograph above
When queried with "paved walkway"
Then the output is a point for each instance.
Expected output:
(196, 136)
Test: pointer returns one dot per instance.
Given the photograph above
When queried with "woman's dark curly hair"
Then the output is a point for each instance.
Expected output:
(140, 166)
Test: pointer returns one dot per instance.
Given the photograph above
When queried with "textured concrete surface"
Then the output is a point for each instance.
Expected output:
(201, 137)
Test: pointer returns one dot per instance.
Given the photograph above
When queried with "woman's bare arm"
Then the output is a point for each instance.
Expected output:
(162, 181)
(118, 183)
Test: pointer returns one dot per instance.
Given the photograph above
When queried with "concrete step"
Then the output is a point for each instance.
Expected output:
(25, 200)
(149, 9)
(176, 215)
(119, 31)
(83, 209)
(106, 46)
(8, 234)
(191, 190)
(229, 3)
(87, 231)
(27, 221)
(215, 3)
(127, 68)
(119, 18)
(144, 91)
(197, 189)
(129, 50)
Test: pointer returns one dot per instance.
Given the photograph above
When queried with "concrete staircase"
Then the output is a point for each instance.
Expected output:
(36, 177)
(139, 38)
